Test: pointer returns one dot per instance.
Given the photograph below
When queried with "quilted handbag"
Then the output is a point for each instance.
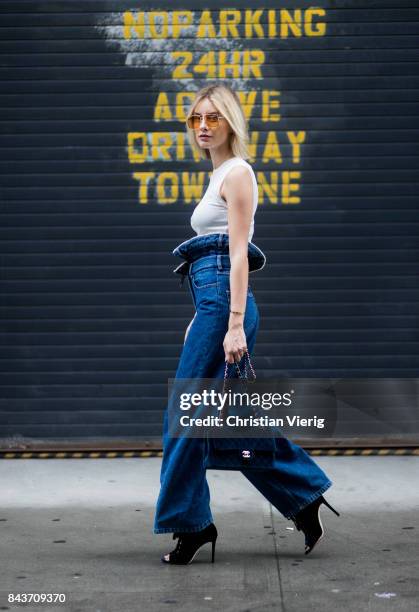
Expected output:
(238, 453)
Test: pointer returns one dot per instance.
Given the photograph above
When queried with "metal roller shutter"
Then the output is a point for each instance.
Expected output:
(98, 185)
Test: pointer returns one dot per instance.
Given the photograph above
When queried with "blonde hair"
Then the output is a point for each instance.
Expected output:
(227, 104)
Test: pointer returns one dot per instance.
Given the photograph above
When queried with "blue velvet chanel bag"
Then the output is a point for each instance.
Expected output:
(238, 453)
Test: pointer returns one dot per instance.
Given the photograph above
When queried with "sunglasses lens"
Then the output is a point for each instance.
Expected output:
(194, 121)
(212, 121)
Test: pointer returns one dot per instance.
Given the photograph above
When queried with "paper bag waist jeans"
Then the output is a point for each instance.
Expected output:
(183, 502)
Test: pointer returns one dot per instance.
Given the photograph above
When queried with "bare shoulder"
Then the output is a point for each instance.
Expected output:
(238, 177)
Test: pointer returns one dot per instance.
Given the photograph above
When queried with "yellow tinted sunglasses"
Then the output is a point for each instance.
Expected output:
(211, 120)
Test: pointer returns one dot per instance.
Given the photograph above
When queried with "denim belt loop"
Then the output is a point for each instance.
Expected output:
(219, 262)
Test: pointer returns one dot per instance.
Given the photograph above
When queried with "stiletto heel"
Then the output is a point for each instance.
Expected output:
(308, 521)
(189, 544)
(329, 506)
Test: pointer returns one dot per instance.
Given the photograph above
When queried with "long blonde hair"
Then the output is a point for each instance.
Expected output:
(228, 104)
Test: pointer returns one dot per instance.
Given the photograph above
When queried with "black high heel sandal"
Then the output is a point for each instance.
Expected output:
(189, 544)
(308, 521)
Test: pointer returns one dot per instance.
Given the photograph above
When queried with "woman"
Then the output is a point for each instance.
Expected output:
(217, 262)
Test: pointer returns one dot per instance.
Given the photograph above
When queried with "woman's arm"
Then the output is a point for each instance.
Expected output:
(237, 190)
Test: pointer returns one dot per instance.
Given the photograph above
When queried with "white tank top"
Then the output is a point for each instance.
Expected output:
(210, 214)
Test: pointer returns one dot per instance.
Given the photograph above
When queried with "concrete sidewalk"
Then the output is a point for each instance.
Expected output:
(84, 528)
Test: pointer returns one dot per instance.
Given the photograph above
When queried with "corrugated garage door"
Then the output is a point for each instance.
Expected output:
(98, 185)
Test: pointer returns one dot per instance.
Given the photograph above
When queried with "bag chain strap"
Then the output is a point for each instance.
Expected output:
(244, 377)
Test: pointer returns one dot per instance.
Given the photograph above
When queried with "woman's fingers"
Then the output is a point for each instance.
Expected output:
(230, 357)
(235, 346)
(235, 356)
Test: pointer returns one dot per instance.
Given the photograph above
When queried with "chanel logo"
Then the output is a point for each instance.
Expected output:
(246, 454)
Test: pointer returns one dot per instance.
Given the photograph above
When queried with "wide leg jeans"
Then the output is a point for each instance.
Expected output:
(184, 499)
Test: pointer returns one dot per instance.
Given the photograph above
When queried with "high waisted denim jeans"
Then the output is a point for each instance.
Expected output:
(184, 500)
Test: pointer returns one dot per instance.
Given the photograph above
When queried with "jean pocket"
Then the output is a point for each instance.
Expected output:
(206, 277)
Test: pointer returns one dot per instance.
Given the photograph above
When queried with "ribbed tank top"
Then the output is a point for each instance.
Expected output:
(210, 214)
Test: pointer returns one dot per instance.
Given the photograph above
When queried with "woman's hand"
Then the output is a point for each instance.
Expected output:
(235, 343)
